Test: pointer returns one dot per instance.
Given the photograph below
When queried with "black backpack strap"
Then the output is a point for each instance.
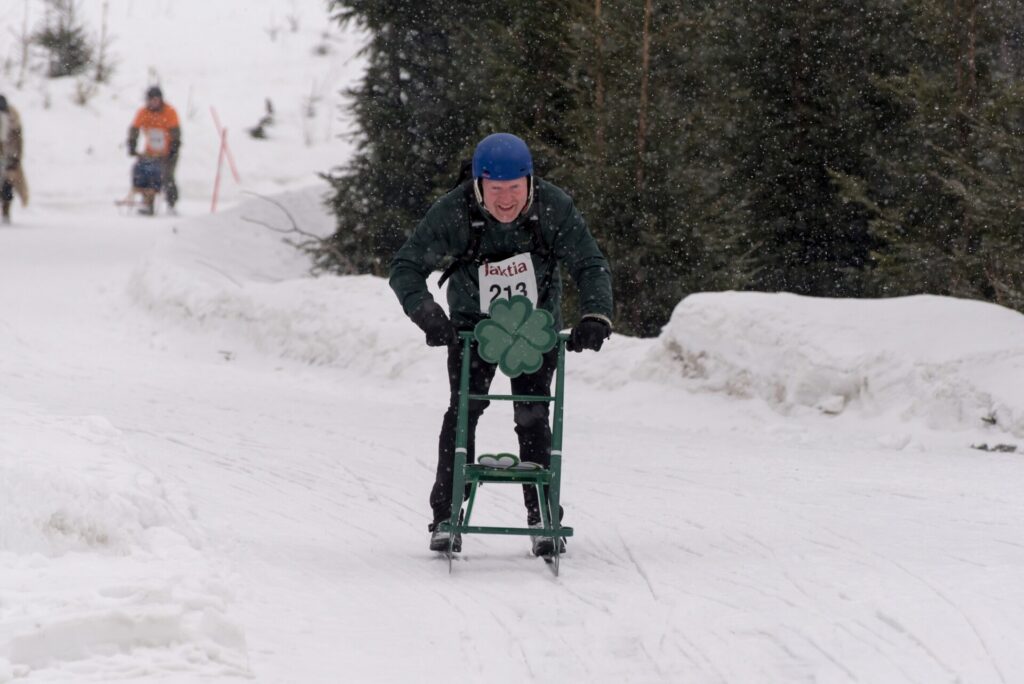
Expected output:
(540, 245)
(476, 231)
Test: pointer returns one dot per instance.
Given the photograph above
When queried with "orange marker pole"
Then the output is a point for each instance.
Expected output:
(220, 166)
(227, 150)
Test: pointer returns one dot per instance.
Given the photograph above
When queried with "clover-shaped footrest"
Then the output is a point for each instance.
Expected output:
(506, 461)
(503, 460)
(516, 336)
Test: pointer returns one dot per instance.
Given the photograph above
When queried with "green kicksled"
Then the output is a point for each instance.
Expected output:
(515, 337)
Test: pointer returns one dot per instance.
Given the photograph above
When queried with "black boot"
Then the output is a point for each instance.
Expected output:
(439, 538)
(545, 546)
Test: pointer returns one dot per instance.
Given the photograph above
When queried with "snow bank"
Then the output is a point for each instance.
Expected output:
(100, 560)
(944, 362)
(230, 274)
(948, 362)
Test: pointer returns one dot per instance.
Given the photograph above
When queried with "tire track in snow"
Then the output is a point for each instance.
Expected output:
(832, 659)
(812, 605)
(757, 589)
(654, 662)
(523, 656)
(636, 564)
(874, 647)
(894, 624)
(701, 655)
(1009, 543)
(586, 600)
(970, 623)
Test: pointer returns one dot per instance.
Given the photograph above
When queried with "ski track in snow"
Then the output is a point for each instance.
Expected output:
(213, 468)
(699, 556)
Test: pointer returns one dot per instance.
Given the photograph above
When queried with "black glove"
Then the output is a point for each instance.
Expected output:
(432, 320)
(132, 152)
(589, 333)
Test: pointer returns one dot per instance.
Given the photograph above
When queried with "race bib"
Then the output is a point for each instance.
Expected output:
(504, 279)
(156, 140)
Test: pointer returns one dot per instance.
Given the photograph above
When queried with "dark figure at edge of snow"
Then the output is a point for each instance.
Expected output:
(502, 215)
(11, 152)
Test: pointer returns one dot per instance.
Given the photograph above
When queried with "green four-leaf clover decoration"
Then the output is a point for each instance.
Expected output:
(516, 336)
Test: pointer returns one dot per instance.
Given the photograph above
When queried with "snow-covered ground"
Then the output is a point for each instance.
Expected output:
(215, 468)
(223, 57)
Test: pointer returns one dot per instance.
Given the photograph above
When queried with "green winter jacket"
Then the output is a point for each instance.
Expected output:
(444, 234)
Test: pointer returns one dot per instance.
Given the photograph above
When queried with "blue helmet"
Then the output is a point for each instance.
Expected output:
(502, 156)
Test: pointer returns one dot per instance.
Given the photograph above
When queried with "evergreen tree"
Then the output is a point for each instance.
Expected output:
(439, 79)
(949, 205)
(642, 171)
(825, 147)
(65, 39)
(810, 109)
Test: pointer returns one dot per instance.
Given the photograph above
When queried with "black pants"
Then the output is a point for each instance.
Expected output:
(6, 195)
(170, 185)
(533, 427)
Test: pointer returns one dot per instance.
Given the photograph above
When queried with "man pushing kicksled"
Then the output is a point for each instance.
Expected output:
(508, 232)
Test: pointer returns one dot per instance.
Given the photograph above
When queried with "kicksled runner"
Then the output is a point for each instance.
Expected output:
(515, 337)
(147, 183)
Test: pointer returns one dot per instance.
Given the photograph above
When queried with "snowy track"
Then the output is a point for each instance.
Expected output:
(213, 468)
(716, 541)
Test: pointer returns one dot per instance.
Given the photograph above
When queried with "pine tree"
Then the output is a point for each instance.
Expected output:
(592, 89)
(949, 206)
(826, 147)
(439, 79)
(64, 36)
(641, 170)
(810, 111)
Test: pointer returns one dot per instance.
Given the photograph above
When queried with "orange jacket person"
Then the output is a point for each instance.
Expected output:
(161, 131)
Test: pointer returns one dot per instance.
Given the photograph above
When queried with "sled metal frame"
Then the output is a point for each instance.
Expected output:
(546, 480)
(134, 200)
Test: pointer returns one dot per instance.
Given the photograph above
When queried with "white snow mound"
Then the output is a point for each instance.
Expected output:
(100, 560)
(949, 362)
(231, 274)
(946, 362)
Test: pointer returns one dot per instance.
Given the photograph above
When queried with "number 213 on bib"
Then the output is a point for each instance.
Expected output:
(505, 279)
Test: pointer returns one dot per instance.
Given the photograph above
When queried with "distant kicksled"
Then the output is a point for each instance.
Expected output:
(153, 170)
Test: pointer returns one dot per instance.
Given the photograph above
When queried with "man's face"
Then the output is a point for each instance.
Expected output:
(154, 103)
(505, 199)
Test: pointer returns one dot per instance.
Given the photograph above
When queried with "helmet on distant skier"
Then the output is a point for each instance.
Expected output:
(502, 156)
(154, 91)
